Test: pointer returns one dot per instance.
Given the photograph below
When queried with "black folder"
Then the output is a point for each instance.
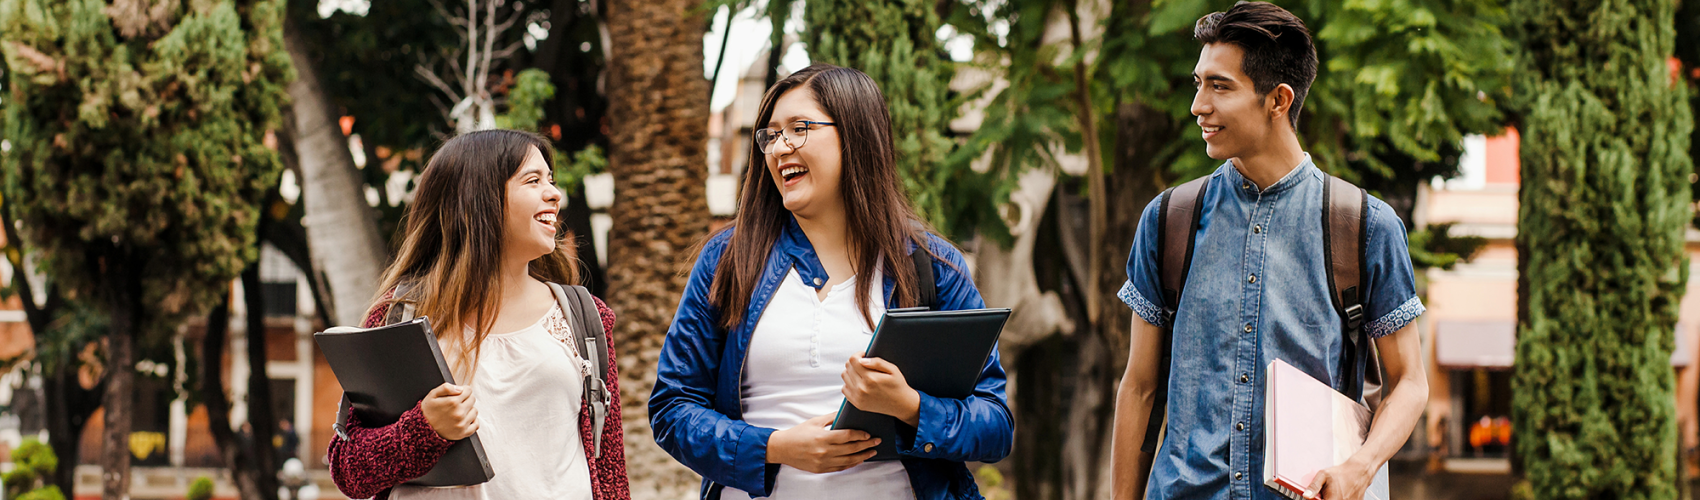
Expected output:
(385, 372)
(940, 353)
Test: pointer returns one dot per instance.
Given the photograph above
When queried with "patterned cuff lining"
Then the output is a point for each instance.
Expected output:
(1144, 308)
(1393, 321)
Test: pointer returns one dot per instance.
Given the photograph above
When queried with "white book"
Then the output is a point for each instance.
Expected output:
(1310, 427)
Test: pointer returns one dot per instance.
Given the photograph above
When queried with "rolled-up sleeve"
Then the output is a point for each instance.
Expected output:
(1393, 301)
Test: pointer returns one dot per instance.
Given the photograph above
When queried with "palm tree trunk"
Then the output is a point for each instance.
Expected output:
(347, 251)
(658, 103)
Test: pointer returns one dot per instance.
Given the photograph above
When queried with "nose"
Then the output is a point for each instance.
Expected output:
(553, 195)
(781, 147)
(1199, 106)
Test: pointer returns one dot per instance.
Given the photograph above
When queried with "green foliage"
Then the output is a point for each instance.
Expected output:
(148, 147)
(1604, 203)
(1399, 84)
(201, 489)
(526, 98)
(1435, 246)
(895, 43)
(570, 172)
(34, 462)
(48, 493)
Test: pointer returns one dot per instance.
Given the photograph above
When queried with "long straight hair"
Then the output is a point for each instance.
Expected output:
(451, 250)
(881, 222)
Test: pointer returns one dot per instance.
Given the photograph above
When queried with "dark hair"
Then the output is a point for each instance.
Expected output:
(1276, 43)
(881, 222)
(451, 248)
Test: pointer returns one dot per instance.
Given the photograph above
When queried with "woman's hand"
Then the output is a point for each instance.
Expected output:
(875, 385)
(812, 447)
(448, 409)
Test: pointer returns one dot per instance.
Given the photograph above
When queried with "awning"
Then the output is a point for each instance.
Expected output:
(1468, 345)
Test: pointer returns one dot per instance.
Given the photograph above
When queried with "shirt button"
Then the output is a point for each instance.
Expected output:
(1251, 279)
(1239, 426)
(1239, 475)
(928, 448)
(1246, 185)
(817, 281)
(1248, 327)
(1244, 378)
(1257, 229)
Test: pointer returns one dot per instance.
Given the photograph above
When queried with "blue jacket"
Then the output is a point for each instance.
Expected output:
(697, 413)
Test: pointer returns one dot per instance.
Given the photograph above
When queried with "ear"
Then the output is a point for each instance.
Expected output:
(1279, 102)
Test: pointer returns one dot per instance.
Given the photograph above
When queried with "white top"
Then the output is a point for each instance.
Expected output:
(797, 354)
(528, 387)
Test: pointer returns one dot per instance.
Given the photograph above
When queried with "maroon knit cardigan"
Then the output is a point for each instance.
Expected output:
(375, 459)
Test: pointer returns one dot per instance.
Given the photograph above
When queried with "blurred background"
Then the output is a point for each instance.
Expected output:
(193, 187)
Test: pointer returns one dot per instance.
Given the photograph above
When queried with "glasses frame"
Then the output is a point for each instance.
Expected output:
(785, 135)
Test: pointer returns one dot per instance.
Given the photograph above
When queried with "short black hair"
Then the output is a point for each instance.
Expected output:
(1276, 43)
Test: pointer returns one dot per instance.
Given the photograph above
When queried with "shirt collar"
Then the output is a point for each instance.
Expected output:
(1305, 170)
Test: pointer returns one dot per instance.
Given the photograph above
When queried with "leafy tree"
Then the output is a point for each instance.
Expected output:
(1600, 234)
(35, 463)
(139, 152)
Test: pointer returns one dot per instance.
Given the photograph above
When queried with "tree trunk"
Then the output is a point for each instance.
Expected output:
(659, 105)
(261, 416)
(123, 304)
(347, 251)
(237, 458)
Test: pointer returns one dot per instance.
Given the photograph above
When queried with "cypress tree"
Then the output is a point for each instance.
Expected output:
(895, 43)
(141, 143)
(1604, 204)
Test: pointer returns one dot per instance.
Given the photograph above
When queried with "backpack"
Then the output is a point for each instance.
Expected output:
(1343, 230)
(588, 336)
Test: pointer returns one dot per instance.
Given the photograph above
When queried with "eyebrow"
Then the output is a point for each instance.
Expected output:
(789, 119)
(1214, 77)
(534, 170)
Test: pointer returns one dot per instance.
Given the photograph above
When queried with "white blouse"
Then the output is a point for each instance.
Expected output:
(529, 388)
(791, 374)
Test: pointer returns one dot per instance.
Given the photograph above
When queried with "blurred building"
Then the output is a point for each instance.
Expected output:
(1470, 327)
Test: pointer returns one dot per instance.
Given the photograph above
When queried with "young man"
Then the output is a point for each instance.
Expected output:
(1258, 287)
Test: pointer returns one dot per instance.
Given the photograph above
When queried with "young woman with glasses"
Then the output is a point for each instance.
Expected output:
(769, 335)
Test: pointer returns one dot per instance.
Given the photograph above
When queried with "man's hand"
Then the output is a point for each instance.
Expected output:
(876, 385)
(1346, 481)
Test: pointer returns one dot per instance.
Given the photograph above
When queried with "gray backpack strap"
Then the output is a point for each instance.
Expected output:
(592, 342)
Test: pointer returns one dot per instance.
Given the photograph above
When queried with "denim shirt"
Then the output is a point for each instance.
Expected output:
(696, 409)
(1257, 292)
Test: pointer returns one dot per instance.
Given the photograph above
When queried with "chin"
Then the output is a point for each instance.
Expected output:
(1217, 153)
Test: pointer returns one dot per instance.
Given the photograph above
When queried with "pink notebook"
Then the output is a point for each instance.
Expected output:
(1310, 427)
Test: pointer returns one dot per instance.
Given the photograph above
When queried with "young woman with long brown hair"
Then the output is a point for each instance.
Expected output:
(769, 335)
(481, 244)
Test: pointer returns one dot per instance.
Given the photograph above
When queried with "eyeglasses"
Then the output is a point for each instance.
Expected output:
(796, 134)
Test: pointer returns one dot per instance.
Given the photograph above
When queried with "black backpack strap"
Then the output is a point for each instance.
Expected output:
(1177, 228)
(592, 343)
(925, 282)
(1343, 232)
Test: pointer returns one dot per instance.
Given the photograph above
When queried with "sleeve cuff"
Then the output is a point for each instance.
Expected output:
(923, 440)
(1395, 320)
(755, 476)
(1144, 308)
(414, 424)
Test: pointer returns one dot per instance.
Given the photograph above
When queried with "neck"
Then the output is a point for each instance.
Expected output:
(516, 275)
(1274, 161)
(826, 231)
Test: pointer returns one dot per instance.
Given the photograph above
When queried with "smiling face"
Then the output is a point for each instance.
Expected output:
(530, 217)
(1236, 122)
(808, 178)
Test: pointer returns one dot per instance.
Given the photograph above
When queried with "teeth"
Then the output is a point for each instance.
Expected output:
(546, 218)
(1212, 129)
(788, 171)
